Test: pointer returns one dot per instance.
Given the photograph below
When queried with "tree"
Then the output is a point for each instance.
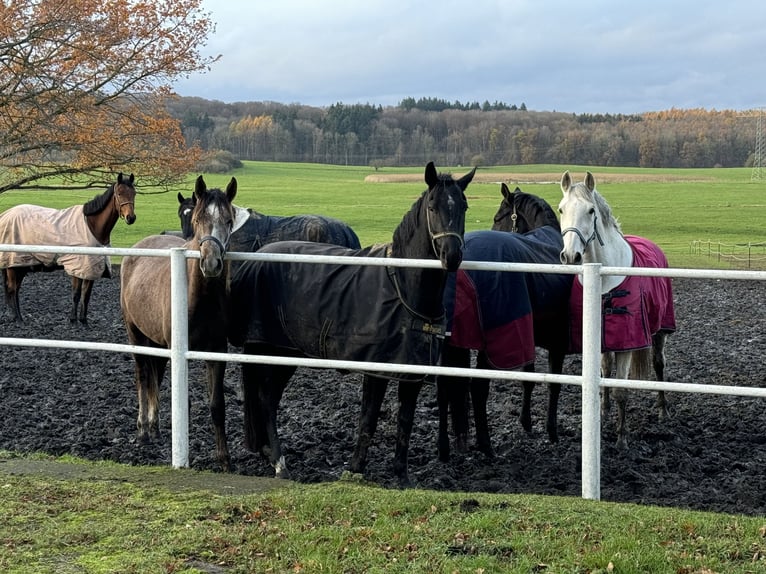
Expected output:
(84, 86)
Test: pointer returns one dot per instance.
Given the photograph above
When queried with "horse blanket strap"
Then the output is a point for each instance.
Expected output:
(330, 311)
(497, 312)
(36, 225)
(634, 310)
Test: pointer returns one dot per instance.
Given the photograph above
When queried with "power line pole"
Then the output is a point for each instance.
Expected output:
(757, 173)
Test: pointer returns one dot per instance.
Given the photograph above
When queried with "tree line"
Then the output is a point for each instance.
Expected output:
(417, 131)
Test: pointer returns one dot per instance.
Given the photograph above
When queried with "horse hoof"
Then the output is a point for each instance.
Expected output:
(280, 469)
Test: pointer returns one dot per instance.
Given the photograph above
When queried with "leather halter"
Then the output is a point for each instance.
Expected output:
(589, 240)
(440, 235)
(215, 240)
(121, 203)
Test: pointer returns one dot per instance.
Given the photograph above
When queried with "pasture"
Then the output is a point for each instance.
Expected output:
(104, 518)
(672, 207)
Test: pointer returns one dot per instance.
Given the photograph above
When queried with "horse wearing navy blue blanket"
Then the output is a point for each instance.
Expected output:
(350, 312)
(505, 315)
(252, 229)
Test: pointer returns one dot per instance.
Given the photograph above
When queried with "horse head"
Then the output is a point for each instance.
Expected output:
(521, 212)
(445, 205)
(125, 198)
(185, 209)
(580, 213)
(212, 220)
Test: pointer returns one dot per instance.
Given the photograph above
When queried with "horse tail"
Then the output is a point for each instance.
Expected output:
(641, 364)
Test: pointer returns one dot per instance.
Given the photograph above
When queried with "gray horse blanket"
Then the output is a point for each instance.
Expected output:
(330, 311)
(506, 314)
(633, 311)
(35, 225)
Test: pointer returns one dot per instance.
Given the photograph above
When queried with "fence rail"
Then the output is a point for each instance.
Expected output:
(589, 380)
(751, 255)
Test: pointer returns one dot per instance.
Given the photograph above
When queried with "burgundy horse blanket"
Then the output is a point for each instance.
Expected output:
(36, 225)
(633, 311)
(330, 311)
(506, 314)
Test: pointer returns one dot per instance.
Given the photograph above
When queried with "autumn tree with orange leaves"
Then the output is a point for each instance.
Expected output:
(83, 88)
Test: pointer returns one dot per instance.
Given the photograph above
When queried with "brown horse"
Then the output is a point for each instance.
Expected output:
(145, 303)
(88, 225)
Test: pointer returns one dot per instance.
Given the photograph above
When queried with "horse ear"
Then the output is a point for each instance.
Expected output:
(505, 190)
(181, 198)
(566, 182)
(199, 186)
(590, 181)
(432, 178)
(231, 189)
(466, 179)
(119, 177)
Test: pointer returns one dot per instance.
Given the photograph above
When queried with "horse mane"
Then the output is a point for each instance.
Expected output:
(607, 216)
(541, 208)
(98, 203)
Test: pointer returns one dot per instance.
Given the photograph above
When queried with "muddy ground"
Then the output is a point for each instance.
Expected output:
(711, 455)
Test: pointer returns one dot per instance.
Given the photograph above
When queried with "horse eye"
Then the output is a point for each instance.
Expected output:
(592, 210)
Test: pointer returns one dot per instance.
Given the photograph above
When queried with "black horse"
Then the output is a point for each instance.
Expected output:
(252, 229)
(504, 315)
(349, 312)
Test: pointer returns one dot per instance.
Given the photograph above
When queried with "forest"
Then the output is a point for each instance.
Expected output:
(417, 131)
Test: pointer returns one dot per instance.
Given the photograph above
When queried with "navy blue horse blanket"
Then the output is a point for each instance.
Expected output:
(506, 314)
(330, 311)
(633, 311)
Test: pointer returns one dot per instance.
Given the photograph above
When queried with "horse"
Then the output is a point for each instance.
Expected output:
(350, 312)
(504, 315)
(145, 304)
(253, 229)
(87, 225)
(637, 312)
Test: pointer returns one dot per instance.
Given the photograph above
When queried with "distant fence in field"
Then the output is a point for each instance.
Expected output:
(750, 255)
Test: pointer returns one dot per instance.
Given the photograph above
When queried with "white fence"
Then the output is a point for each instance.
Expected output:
(590, 379)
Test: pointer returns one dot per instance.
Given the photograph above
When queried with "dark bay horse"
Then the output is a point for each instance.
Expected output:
(350, 312)
(504, 316)
(87, 225)
(637, 312)
(145, 303)
(253, 230)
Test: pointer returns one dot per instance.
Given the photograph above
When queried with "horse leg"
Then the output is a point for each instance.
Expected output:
(658, 361)
(215, 371)
(13, 277)
(607, 365)
(622, 371)
(526, 404)
(373, 393)
(87, 289)
(408, 396)
(149, 373)
(452, 397)
(479, 398)
(270, 390)
(556, 367)
(76, 294)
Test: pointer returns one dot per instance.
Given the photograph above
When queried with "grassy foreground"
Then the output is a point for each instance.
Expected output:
(673, 207)
(114, 519)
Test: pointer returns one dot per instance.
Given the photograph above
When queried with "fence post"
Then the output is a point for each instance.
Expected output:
(179, 345)
(591, 380)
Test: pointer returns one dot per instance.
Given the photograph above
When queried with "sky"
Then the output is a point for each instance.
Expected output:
(558, 55)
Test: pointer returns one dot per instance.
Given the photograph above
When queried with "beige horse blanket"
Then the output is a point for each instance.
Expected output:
(36, 225)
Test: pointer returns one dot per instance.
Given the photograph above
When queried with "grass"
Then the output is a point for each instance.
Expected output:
(673, 207)
(105, 525)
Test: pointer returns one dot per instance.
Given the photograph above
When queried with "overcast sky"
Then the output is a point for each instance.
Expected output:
(563, 55)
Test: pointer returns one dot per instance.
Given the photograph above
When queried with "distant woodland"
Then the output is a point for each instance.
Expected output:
(450, 133)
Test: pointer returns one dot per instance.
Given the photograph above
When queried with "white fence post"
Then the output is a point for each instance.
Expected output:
(179, 345)
(591, 379)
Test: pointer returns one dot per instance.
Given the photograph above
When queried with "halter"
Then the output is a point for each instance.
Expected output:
(589, 240)
(215, 240)
(514, 218)
(435, 236)
(120, 204)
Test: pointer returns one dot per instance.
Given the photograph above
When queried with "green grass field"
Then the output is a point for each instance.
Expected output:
(673, 207)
